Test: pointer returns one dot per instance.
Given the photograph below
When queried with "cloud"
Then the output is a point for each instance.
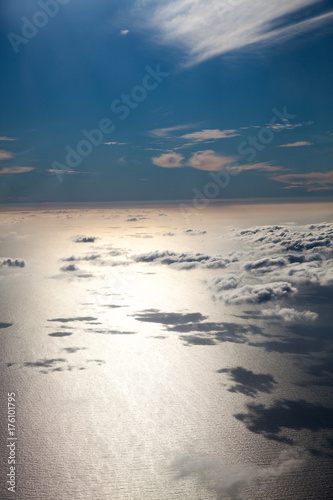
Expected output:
(164, 132)
(209, 160)
(248, 382)
(295, 144)
(225, 283)
(187, 260)
(112, 143)
(69, 320)
(207, 134)
(84, 239)
(15, 170)
(194, 232)
(256, 294)
(4, 138)
(156, 316)
(8, 262)
(70, 268)
(313, 181)
(168, 160)
(289, 315)
(5, 155)
(204, 32)
(124, 32)
(227, 481)
(5, 325)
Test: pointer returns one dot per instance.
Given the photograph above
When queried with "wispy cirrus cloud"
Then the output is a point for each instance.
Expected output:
(15, 170)
(206, 31)
(297, 144)
(313, 181)
(5, 138)
(165, 132)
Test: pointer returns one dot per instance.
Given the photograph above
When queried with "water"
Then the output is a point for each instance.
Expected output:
(121, 395)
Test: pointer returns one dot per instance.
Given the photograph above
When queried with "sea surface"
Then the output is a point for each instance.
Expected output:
(167, 352)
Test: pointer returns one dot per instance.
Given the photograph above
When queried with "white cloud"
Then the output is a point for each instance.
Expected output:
(205, 31)
(290, 315)
(295, 144)
(114, 143)
(209, 160)
(186, 260)
(124, 32)
(227, 481)
(169, 160)
(256, 294)
(208, 134)
(225, 283)
(4, 138)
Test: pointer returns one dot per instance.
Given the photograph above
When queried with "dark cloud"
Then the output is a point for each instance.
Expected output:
(69, 268)
(194, 232)
(73, 350)
(286, 414)
(5, 325)
(8, 262)
(84, 258)
(112, 332)
(156, 316)
(78, 318)
(248, 382)
(84, 239)
(60, 334)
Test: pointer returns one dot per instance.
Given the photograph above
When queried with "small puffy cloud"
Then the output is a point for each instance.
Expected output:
(15, 170)
(295, 144)
(168, 160)
(194, 232)
(8, 262)
(313, 181)
(289, 315)
(84, 239)
(209, 160)
(124, 32)
(256, 294)
(207, 135)
(69, 268)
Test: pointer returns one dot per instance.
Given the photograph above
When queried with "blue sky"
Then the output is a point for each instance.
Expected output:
(180, 94)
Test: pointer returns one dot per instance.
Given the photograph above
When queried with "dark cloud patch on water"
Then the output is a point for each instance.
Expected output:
(5, 325)
(60, 334)
(248, 382)
(77, 318)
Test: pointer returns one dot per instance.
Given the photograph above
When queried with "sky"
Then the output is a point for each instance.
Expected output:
(142, 100)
